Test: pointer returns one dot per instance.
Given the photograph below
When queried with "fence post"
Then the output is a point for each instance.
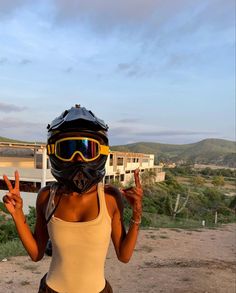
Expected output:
(44, 167)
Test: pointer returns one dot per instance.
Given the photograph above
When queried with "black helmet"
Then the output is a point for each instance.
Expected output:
(77, 119)
(78, 176)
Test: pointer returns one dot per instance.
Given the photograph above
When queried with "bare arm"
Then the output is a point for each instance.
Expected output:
(124, 243)
(34, 243)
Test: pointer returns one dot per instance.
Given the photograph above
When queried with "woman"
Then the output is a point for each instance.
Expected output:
(77, 213)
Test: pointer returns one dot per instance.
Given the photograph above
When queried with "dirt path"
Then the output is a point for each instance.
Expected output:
(165, 260)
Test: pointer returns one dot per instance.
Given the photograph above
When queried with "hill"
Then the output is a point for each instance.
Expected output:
(208, 151)
(9, 139)
(2, 138)
(15, 152)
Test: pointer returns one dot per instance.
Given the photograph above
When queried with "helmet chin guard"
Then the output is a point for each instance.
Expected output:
(78, 176)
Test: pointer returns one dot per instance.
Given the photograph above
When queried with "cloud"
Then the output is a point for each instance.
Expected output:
(22, 130)
(10, 108)
(137, 68)
(121, 131)
(9, 122)
(125, 131)
(25, 61)
(178, 60)
(129, 120)
(136, 19)
(3, 60)
(137, 16)
(9, 6)
(173, 133)
(106, 14)
(146, 17)
(69, 69)
(218, 14)
(132, 69)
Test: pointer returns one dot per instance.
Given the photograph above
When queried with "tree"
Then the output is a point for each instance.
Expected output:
(148, 177)
(198, 181)
(232, 204)
(218, 181)
(178, 208)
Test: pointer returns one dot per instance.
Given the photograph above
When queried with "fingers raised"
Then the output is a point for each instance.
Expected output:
(8, 183)
(137, 179)
(16, 187)
(17, 180)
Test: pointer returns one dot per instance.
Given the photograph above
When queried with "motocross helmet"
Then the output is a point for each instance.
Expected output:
(70, 128)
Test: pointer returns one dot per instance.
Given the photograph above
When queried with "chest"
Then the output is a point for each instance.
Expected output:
(76, 208)
(78, 224)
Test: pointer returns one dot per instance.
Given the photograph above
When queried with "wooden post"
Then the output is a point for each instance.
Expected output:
(44, 167)
(216, 217)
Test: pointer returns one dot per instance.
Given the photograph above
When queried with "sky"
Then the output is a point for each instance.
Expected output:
(153, 70)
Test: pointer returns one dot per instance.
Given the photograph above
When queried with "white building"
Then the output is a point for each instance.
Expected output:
(35, 166)
(121, 165)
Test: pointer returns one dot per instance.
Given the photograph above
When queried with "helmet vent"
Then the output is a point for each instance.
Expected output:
(65, 113)
(91, 113)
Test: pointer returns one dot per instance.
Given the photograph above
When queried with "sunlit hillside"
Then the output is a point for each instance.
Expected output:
(209, 151)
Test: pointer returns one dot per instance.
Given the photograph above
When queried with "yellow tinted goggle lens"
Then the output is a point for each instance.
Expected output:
(88, 148)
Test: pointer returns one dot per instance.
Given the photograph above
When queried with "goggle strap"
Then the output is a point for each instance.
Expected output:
(48, 149)
(51, 149)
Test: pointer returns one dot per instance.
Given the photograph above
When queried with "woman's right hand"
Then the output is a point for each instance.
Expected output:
(12, 199)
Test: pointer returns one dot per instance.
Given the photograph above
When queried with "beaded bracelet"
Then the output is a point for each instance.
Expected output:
(135, 222)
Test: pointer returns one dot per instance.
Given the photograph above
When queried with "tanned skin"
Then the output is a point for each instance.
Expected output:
(79, 208)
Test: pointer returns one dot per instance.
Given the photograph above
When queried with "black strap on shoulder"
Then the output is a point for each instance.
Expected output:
(53, 211)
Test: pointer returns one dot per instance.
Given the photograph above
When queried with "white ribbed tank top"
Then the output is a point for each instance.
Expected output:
(79, 250)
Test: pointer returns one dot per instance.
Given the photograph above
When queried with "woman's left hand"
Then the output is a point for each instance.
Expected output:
(134, 195)
(13, 200)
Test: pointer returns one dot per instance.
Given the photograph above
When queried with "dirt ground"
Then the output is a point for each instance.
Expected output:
(165, 260)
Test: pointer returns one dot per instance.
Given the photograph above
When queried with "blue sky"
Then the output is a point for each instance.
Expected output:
(154, 70)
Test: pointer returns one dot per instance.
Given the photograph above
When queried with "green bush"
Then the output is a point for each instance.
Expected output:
(3, 208)
(11, 248)
(31, 217)
(7, 231)
(146, 221)
(127, 215)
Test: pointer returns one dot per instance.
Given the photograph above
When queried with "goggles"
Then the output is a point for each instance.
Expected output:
(88, 148)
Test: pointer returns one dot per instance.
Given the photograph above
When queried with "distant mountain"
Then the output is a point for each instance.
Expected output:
(15, 152)
(5, 139)
(208, 151)
(8, 139)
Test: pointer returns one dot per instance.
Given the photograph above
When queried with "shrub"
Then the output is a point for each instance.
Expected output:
(7, 231)
(31, 217)
(11, 248)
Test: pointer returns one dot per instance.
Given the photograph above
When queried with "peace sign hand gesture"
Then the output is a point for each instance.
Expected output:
(134, 195)
(12, 199)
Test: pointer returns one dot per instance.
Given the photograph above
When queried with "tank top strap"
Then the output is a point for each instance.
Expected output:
(51, 202)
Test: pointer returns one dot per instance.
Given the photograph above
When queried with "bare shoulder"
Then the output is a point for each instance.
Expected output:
(113, 197)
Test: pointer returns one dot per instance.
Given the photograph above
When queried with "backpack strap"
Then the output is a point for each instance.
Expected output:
(51, 207)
